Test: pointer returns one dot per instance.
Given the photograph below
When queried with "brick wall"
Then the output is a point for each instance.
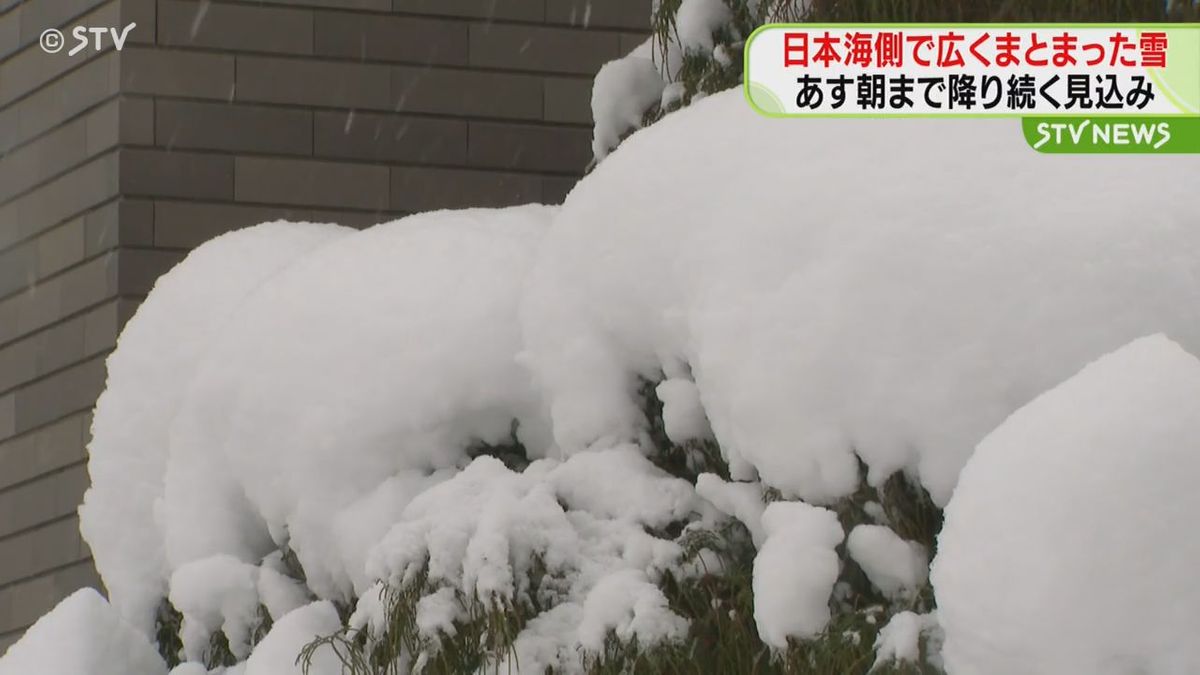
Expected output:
(219, 114)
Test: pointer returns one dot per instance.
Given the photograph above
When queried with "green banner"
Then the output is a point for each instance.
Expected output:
(1105, 134)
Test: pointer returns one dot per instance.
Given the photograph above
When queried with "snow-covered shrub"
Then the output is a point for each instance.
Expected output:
(279, 652)
(148, 374)
(661, 427)
(567, 549)
(695, 49)
(1070, 543)
(715, 585)
(397, 347)
(219, 460)
(863, 298)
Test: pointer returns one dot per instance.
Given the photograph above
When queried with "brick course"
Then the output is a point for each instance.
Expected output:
(219, 114)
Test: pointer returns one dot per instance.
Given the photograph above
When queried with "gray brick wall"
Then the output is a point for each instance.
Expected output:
(219, 114)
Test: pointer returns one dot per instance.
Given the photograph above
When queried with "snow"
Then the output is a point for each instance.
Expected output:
(83, 635)
(278, 592)
(334, 397)
(621, 92)
(626, 88)
(900, 640)
(279, 651)
(584, 520)
(743, 501)
(619, 483)
(628, 605)
(549, 640)
(695, 23)
(683, 413)
(370, 613)
(395, 346)
(1069, 544)
(148, 373)
(824, 326)
(794, 571)
(672, 95)
(437, 612)
(898, 568)
(216, 593)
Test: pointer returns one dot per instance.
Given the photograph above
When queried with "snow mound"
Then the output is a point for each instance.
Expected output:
(347, 384)
(863, 294)
(83, 635)
(156, 355)
(1069, 544)
(794, 571)
(481, 533)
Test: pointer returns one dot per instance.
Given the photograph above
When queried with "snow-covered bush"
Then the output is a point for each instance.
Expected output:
(1070, 544)
(661, 426)
(148, 376)
(695, 49)
(846, 292)
(395, 346)
(568, 547)
(279, 652)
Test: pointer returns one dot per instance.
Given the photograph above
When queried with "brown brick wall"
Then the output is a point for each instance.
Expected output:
(221, 114)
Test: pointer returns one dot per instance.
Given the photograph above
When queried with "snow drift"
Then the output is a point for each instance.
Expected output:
(1069, 545)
